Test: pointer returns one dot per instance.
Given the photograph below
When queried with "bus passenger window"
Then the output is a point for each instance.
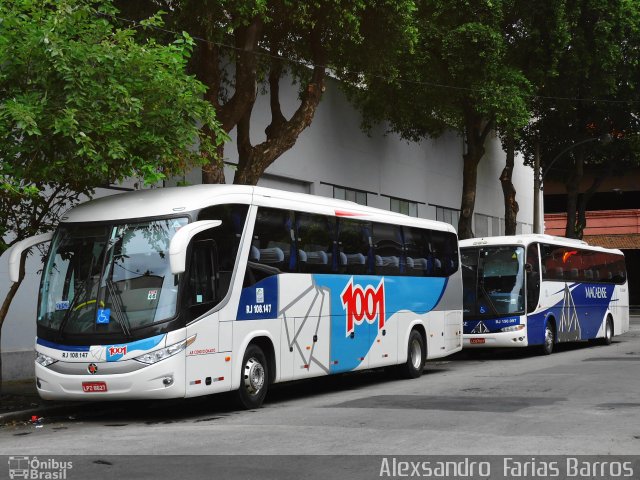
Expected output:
(355, 247)
(444, 246)
(227, 239)
(315, 243)
(273, 248)
(388, 249)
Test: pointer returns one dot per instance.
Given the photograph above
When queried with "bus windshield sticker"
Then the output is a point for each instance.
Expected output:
(62, 305)
(103, 315)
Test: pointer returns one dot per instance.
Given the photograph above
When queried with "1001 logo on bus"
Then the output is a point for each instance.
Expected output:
(363, 304)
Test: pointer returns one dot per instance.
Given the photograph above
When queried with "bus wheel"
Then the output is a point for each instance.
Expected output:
(608, 332)
(412, 368)
(549, 338)
(254, 381)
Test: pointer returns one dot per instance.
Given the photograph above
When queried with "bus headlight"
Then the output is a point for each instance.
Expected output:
(512, 328)
(44, 360)
(157, 355)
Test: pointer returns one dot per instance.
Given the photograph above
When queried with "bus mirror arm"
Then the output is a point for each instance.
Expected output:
(180, 242)
(16, 251)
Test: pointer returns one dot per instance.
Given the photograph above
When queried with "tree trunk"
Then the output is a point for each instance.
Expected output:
(245, 86)
(4, 309)
(476, 131)
(282, 134)
(511, 206)
(581, 222)
(573, 189)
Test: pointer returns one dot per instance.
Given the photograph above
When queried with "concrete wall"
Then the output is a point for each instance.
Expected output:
(333, 151)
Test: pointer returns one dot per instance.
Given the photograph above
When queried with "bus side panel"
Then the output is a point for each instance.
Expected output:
(207, 368)
(363, 305)
(326, 323)
(305, 339)
(585, 307)
(579, 310)
(551, 301)
(620, 309)
(450, 305)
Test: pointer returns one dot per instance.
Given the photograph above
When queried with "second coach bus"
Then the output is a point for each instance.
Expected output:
(541, 290)
(188, 291)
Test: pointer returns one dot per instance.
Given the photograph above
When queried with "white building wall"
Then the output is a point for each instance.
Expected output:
(332, 151)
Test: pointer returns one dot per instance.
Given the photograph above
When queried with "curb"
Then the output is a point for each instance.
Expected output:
(41, 411)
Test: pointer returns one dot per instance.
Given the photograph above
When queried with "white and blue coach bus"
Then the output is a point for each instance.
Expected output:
(541, 290)
(189, 291)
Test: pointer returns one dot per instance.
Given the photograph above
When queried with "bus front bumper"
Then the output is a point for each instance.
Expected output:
(164, 379)
(492, 340)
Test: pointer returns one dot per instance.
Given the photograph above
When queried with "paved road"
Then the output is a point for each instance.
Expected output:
(583, 399)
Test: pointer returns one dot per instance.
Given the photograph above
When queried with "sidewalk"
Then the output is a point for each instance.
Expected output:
(19, 401)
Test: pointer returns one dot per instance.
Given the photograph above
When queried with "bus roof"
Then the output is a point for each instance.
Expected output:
(526, 239)
(159, 202)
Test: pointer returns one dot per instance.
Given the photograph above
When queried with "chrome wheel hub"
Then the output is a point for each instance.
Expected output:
(253, 376)
(548, 338)
(416, 354)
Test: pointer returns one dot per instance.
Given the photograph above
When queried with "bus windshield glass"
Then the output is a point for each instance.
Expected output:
(109, 279)
(493, 280)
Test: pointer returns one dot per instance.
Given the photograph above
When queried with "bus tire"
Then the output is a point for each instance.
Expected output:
(549, 338)
(416, 355)
(254, 378)
(608, 332)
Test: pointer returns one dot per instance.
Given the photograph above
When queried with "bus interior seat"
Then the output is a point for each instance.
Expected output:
(271, 255)
(421, 264)
(342, 258)
(318, 257)
(353, 258)
(387, 265)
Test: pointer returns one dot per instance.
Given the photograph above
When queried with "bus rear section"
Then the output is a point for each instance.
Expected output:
(538, 290)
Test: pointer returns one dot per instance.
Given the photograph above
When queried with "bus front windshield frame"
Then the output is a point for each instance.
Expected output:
(493, 280)
(109, 279)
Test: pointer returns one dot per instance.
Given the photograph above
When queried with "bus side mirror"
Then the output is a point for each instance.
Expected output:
(15, 253)
(180, 242)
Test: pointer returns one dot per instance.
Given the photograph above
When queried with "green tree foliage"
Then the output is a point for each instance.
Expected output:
(595, 92)
(242, 50)
(83, 103)
(458, 77)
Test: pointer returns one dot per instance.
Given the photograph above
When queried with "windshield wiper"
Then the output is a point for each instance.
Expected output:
(487, 297)
(118, 310)
(79, 295)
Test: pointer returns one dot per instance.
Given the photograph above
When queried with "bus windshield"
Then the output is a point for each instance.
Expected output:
(109, 278)
(493, 280)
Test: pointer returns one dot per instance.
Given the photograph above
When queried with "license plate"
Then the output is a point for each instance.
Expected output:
(477, 340)
(94, 386)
